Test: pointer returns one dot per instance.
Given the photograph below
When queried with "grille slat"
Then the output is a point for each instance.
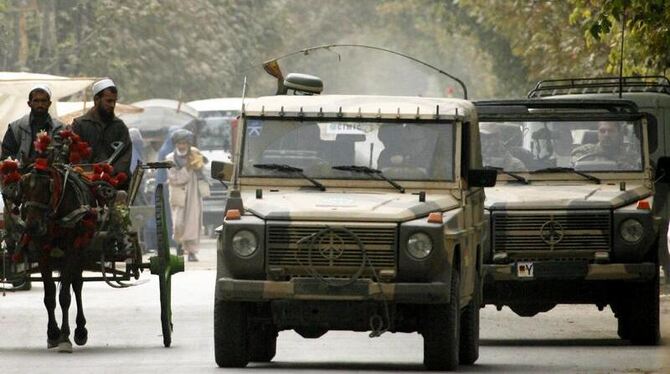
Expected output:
(283, 250)
(578, 231)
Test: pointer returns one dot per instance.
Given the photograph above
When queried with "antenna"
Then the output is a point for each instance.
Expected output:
(623, 28)
(272, 66)
(244, 93)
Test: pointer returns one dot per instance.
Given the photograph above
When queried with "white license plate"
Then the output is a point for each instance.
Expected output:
(524, 269)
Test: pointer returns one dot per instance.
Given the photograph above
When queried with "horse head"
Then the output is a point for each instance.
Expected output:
(38, 201)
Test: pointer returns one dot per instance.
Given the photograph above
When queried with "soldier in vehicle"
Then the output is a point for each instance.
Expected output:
(18, 140)
(610, 147)
(493, 149)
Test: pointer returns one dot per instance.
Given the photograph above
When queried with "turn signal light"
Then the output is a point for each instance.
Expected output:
(232, 214)
(643, 204)
(435, 217)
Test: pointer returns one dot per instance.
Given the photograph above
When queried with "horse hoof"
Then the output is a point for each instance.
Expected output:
(52, 343)
(65, 347)
(80, 336)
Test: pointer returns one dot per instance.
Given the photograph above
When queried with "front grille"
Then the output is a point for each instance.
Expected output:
(552, 231)
(295, 260)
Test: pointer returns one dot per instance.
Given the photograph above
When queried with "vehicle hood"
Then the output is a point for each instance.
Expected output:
(345, 206)
(590, 196)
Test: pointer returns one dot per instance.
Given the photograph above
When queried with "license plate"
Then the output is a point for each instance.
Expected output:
(524, 269)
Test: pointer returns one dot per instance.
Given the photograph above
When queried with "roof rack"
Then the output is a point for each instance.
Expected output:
(604, 85)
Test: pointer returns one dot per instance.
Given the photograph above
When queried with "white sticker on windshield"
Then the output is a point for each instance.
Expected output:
(345, 128)
(254, 128)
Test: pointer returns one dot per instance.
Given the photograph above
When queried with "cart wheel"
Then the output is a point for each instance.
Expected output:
(164, 265)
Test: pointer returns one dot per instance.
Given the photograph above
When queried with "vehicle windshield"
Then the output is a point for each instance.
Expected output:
(579, 145)
(401, 151)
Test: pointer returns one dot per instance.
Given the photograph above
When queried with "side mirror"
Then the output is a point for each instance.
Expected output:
(663, 170)
(482, 177)
(221, 171)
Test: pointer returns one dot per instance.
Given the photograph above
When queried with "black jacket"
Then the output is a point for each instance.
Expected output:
(100, 135)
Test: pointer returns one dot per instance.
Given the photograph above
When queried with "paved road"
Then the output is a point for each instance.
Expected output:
(125, 335)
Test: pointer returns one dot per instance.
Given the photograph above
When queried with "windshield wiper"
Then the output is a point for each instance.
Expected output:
(561, 168)
(369, 171)
(513, 175)
(290, 169)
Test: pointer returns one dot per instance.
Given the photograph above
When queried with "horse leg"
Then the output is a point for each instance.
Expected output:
(65, 298)
(53, 333)
(80, 333)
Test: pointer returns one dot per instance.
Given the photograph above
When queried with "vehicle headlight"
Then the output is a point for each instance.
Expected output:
(419, 245)
(631, 230)
(244, 243)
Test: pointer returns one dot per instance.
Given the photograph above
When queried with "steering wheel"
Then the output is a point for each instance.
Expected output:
(592, 156)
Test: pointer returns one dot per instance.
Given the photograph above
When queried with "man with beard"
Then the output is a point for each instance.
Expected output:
(100, 128)
(20, 135)
(610, 147)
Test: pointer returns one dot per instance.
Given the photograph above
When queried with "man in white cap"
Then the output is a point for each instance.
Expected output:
(18, 140)
(100, 128)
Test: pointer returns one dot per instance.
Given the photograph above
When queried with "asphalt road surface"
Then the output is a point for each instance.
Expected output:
(125, 336)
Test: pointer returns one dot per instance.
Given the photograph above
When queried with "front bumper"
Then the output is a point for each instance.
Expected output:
(568, 270)
(313, 289)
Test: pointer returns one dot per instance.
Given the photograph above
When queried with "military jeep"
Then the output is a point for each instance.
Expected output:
(571, 219)
(359, 213)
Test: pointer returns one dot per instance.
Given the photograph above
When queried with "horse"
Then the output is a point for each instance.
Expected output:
(58, 224)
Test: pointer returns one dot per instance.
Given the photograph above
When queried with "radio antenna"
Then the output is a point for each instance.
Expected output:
(623, 29)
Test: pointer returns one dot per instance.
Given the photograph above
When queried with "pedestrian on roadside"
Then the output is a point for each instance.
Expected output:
(185, 196)
(100, 128)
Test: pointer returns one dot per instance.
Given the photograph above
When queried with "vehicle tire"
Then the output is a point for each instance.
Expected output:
(469, 329)
(262, 343)
(441, 331)
(230, 335)
(639, 317)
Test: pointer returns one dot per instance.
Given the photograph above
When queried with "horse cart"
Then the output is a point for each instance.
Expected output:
(67, 222)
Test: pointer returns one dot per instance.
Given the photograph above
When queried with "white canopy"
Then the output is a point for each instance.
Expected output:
(14, 89)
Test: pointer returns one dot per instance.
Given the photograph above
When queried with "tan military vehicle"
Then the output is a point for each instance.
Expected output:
(360, 213)
(571, 219)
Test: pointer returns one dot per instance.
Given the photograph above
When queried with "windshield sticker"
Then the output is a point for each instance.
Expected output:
(254, 128)
(350, 128)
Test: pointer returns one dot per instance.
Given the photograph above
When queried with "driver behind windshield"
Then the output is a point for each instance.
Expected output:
(494, 152)
(610, 147)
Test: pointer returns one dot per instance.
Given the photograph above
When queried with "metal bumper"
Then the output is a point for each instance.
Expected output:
(314, 289)
(560, 270)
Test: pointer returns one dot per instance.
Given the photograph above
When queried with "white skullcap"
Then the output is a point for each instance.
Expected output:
(42, 87)
(101, 85)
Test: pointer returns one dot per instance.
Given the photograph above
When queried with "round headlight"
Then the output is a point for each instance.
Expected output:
(631, 230)
(244, 243)
(419, 245)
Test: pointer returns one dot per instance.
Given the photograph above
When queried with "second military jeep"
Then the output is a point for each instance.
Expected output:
(360, 213)
(571, 219)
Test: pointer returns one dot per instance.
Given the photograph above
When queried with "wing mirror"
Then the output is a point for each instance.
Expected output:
(221, 171)
(482, 177)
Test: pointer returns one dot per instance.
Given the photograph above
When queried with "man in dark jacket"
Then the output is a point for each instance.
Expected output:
(101, 128)
(20, 135)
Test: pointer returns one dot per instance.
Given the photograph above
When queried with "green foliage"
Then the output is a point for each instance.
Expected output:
(205, 48)
(647, 33)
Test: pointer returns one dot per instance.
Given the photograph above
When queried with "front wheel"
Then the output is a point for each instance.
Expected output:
(441, 333)
(638, 316)
(469, 349)
(262, 343)
(231, 337)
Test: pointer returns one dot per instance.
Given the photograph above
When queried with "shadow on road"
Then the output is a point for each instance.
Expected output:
(555, 342)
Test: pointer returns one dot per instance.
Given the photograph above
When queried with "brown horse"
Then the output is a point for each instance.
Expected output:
(58, 219)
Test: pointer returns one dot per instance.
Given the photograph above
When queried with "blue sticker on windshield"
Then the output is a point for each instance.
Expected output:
(254, 128)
